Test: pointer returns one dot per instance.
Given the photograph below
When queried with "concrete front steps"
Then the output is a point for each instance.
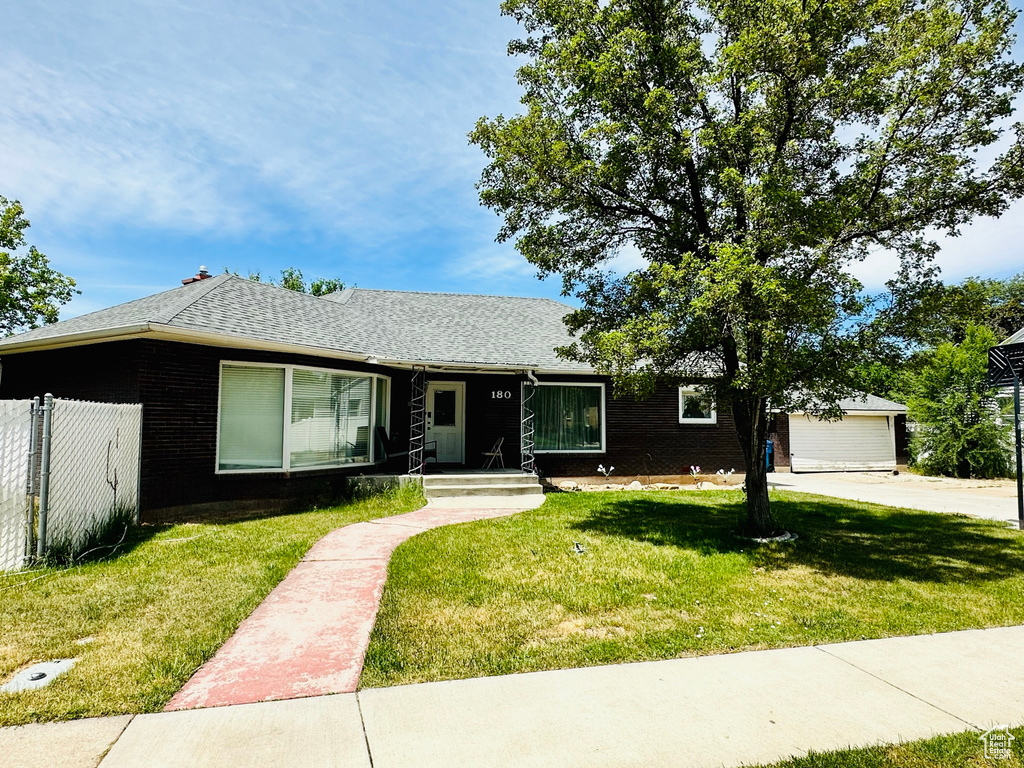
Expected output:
(448, 485)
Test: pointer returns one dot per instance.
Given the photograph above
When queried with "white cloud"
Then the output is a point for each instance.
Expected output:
(627, 260)
(249, 116)
(987, 248)
(488, 263)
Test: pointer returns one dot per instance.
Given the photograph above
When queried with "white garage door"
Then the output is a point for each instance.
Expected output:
(857, 443)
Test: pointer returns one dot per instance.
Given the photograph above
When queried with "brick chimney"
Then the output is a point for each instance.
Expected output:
(202, 274)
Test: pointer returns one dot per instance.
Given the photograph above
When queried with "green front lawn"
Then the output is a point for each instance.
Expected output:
(960, 750)
(143, 621)
(664, 576)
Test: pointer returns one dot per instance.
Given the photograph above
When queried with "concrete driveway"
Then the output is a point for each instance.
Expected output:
(994, 499)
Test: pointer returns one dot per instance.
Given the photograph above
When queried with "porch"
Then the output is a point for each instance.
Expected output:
(489, 420)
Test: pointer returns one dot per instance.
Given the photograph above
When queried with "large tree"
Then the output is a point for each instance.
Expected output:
(31, 291)
(748, 151)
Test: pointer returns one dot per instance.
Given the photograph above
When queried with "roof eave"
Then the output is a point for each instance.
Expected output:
(134, 330)
(207, 338)
(859, 412)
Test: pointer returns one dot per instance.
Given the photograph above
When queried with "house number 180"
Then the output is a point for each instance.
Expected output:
(501, 395)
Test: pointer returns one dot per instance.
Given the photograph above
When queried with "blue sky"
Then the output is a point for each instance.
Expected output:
(147, 138)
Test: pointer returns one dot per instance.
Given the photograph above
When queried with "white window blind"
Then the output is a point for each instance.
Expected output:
(330, 419)
(251, 418)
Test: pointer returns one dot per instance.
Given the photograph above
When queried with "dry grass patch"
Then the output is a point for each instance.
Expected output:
(142, 622)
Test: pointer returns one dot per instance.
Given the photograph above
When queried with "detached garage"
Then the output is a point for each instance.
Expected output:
(865, 439)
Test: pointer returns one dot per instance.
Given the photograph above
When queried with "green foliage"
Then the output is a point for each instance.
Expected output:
(959, 431)
(750, 152)
(102, 541)
(945, 313)
(292, 279)
(31, 292)
(939, 314)
(995, 304)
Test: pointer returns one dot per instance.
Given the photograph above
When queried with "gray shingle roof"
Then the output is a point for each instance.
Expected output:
(1017, 338)
(401, 326)
(870, 403)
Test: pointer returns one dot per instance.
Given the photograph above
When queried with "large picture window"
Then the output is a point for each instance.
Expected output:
(569, 418)
(331, 417)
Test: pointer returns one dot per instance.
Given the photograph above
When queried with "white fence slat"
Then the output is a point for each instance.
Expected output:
(94, 466)
(14, 446)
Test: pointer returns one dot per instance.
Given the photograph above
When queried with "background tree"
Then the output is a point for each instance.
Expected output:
(958, 427)
(750, 151)
(937, 315)
(291, 278)
(31, 292)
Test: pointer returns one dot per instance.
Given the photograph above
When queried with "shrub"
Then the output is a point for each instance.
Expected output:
(959, 430)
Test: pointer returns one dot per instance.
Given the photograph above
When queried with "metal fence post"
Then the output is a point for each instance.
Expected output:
(30, 512)
(138, 485)
(1020, 460)
(44, 475)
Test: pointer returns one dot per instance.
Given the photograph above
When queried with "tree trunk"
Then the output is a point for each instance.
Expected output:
(750, 416)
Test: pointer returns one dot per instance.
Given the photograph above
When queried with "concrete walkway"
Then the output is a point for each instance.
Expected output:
(727, 710)
(309, 636)
(992, 499)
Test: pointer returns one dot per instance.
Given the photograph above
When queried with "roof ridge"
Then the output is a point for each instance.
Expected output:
(462, 293)
(192, 296)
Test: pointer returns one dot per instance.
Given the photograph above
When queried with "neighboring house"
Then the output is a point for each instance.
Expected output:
(1016, 355)
(872, 435)
(253, 392)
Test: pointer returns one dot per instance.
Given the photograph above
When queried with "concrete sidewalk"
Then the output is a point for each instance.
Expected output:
(726, 710)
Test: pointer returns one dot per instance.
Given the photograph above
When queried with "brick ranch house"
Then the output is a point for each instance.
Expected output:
(253, 393)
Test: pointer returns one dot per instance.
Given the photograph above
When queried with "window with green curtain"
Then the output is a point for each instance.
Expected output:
(251, 417)
(567, 417)
(330, 418)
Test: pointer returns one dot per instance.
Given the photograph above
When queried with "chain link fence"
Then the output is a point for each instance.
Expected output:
(15, 436)
(72, 469)
(94, 470)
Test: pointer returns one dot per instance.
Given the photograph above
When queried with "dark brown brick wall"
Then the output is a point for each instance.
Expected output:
(102, 372)
(178, 386)
(644, 437)
(902, 439)
(779, 434)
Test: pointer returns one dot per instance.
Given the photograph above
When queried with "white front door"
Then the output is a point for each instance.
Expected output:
(445, 418)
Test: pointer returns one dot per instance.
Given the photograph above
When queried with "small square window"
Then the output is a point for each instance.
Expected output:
(696, 407)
